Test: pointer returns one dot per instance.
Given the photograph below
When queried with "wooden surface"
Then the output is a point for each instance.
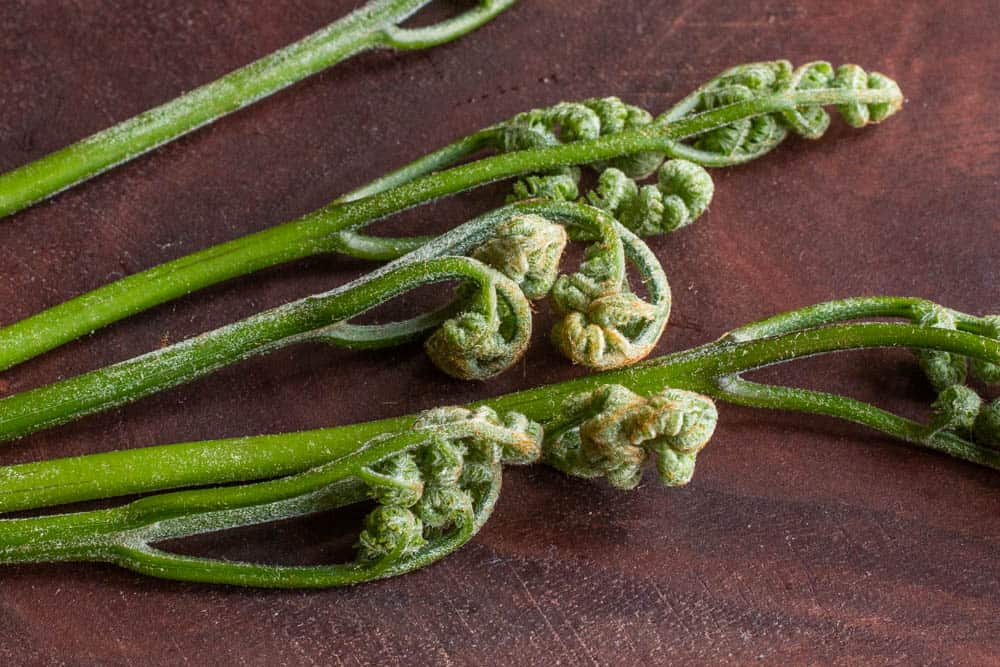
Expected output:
(800, 541)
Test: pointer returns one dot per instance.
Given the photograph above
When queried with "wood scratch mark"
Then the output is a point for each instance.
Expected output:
(177, 647)
(673, 609)
(681, 18)
(538, 608)
(451, 602)
(741, 592)
(583, 644)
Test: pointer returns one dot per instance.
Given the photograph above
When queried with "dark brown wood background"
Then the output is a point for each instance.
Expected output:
(800, 541)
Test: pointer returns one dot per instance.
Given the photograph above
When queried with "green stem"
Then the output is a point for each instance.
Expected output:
(844, 310)
(322, 231)
(69, 480)
(743, 392)
(699, 369)
(373, 26)
(265, 332)
(435, 161)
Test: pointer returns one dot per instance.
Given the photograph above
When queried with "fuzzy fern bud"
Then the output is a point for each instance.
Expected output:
(599, 336)
(941, 368)
(390, 532)
(561, 185)
(616, 117)
(526, 249)
(574, 121)
(441, 461)
(487, 339)
(811, 121)
(956, 409)
(676, 425)
(618, 430)
(682, 193)
(441, 506)
(871, 99)
(400, 484)
(487, 438)
(687, 191)
(984, 370)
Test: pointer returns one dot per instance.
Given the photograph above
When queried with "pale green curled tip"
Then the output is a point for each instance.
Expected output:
(425, 491)
(390, 532)
(809, 122)
(879, 111)
(527, 447)
(441, 462)
(611, 431)
(871, 98)
(395, 481)
(550, 126)
(440, 506)
(521, 441)
(560, 186)
(956, 409)
(598, 446)
(683, 192)
(489, 337)
(455, 466)
(604, 324)
(675, 425)
(859, 114)
(687, 190)
(942, 369)
(375, 25)
(526, 249)
(617, 116)
(568, 122)
(983, 370)
(744, 139)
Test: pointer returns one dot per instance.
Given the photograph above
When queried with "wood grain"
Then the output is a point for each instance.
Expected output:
(800, 541)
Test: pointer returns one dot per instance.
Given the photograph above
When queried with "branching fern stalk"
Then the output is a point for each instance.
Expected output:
(736, 117)
(435, 477)
(376, 25)
(483, 332)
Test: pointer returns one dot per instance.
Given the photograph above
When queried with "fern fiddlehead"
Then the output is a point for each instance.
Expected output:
(616, 430)
(568, 122)
(526, 249)
(749, 138)
(604, 324)
(682, 193)
(487, 338)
